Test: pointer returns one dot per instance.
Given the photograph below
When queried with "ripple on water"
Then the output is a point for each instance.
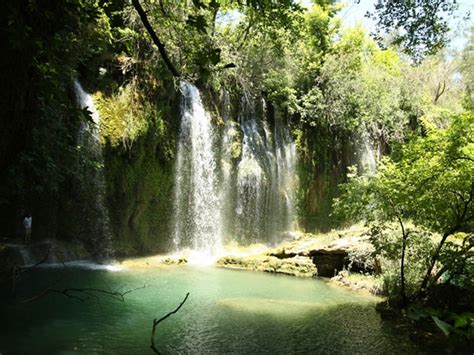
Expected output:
(227, 312)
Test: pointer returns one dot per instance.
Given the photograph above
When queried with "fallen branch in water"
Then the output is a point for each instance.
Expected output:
(18, 270)
(156, 322)
(84, 294)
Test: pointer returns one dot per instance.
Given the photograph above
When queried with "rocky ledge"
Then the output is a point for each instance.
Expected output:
(15, 255)
(346, 256)
(296, 266)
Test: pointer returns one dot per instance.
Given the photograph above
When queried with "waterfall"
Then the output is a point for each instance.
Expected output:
(368, 158)
(233, 183)
(251, 179)
(286, 158)
(91, 169)
(266, 179)
(197, 206)
(228, 151)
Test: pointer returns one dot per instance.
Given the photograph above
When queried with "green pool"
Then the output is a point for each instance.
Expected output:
(227, 311)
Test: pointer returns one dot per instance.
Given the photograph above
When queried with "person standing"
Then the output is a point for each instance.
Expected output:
(27, 222)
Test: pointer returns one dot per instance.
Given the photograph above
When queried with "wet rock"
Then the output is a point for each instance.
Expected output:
(175, 261)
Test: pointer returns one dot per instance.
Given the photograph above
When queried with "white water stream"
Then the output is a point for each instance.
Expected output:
(238, 185)
(197, 207)
(89, 139)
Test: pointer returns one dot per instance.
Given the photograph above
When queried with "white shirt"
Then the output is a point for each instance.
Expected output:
(27, 222)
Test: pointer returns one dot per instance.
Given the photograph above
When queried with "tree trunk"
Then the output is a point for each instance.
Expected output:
(434, 258)
(403, 293)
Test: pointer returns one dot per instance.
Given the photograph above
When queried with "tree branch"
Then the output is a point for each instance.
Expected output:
(402, 261)
(18, 271)
(439, 91)
(84, 294)
(156, 322)
(154, 37)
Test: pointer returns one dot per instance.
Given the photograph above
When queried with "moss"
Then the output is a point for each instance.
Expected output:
(324, 153)
(139, 173)
(122, 118)
(234, 134)
(298, 266)
(304, 243)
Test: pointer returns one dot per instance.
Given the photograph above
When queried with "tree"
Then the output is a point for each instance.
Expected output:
(419, 27)
(428, 182)
(467, 71)
(359, 89)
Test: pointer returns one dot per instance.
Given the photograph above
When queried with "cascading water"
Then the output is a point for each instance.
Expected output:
(197, 209)
(265, 178)
(239, 188)
(286, 169)
(251, 181)
(91, 169)
(368, 157)
(230, 150)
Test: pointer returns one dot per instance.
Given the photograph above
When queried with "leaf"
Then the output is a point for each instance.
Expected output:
(463, 320)
(445, 327)
(215, 56)
(416, 313)
(198, 22)
(214, 4)
(460, 322)
(199, 5)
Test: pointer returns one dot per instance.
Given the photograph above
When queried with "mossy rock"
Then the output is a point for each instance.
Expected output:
(297, 266)
(175, 261)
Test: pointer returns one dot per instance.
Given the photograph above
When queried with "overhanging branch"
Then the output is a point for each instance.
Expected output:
(154, 37)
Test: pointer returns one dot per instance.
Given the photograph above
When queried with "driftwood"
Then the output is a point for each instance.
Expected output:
(157, 321)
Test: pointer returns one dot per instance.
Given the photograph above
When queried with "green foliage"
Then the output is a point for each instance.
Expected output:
(420, 27)
(449, 323)
(123, 119)
(467, 70)
(334, 85)
(360, 89)
(430, 184)
(44, 43)
(140, 177)
(387, 241)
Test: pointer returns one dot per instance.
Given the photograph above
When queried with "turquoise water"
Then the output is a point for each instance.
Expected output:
(227, 312)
